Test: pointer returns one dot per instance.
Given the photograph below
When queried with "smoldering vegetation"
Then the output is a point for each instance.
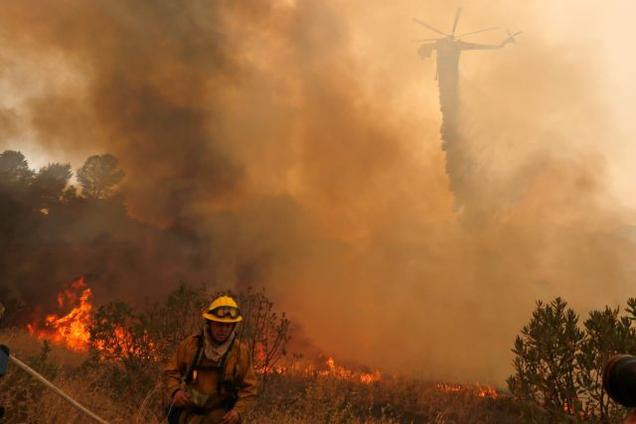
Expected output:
(117, 370)
(295, 145)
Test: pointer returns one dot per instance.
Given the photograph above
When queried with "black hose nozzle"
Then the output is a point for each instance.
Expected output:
(619, 379)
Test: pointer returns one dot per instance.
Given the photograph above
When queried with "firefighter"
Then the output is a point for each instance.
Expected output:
(210, 378)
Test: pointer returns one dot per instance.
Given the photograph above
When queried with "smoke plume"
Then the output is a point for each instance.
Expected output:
(295, 144)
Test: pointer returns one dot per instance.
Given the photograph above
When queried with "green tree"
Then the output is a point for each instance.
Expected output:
(16, 218)
(631, 309)
(47, 187)
(14, 168)
(545, 363)
(606, 333)
(99, 176)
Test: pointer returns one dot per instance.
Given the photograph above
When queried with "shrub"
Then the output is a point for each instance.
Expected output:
(558, 364)
(606, 333)
(128, 346)
(265, 330)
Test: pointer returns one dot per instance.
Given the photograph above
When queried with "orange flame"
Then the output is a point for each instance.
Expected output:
(330, 369)
(450, 388)
(488, 392)
(70, 328)
(343, 373)
(261, 356)
(477, 389)
(123, 344)
(370, 377)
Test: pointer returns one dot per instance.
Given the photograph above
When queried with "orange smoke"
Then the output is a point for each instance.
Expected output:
(70, 326)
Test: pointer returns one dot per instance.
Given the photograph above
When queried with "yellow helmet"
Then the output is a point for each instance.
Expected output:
(223, 309)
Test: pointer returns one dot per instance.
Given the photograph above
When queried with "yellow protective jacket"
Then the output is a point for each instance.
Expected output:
(237, 390)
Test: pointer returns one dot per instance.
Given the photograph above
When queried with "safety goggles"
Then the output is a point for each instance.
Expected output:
(225, 312)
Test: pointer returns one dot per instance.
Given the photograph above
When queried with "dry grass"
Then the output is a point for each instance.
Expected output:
(392, 400)
(286, 399)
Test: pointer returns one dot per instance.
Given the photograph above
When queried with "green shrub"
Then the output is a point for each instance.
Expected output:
(558, 364)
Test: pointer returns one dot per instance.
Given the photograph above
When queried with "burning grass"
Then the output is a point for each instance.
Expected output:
(330, 397)
(109, 358)
(294, 396)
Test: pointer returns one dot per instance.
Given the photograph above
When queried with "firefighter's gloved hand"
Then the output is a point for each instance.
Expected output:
(181, 399)
(231, 417)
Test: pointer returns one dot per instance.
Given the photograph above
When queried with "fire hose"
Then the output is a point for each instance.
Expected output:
(50, 385)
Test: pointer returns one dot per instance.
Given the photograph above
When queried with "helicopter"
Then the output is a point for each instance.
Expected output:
(450, 46)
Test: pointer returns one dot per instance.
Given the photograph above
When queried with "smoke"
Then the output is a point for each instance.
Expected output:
(295, 145)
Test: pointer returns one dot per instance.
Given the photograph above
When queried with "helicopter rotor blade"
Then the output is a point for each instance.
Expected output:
(457, 15)
(512, 36)
(477, 32)
(424, 40)
(430, 27)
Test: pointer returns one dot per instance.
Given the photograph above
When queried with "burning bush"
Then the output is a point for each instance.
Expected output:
(120, 368)
(122, 348)
(70, 325)
(127, 346)
(265, 330)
